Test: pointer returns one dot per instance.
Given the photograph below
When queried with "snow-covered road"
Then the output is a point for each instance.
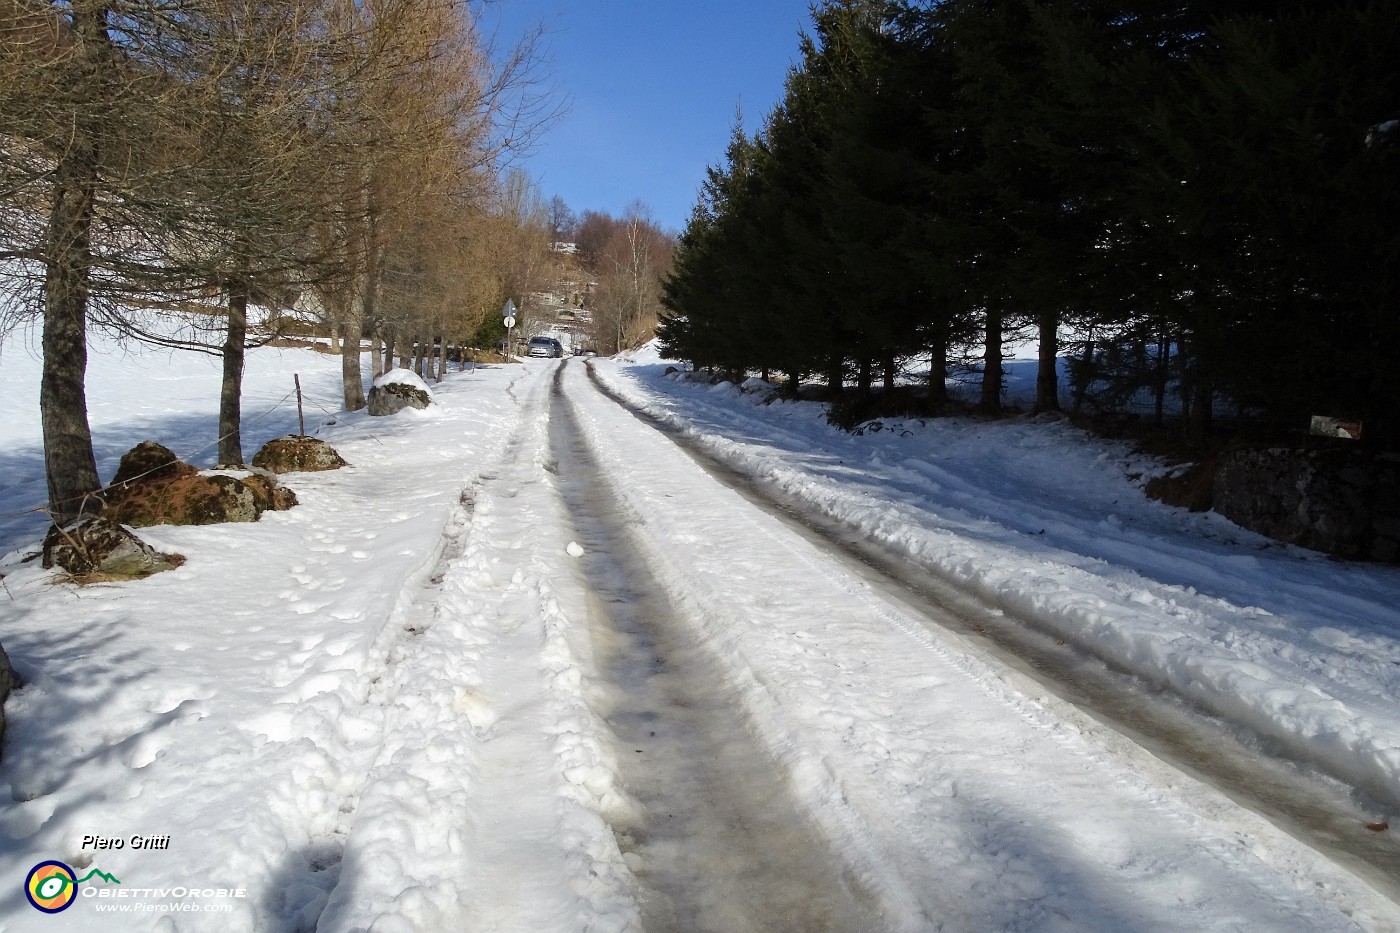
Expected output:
(956, 797)
(528, 666)
(716, 838)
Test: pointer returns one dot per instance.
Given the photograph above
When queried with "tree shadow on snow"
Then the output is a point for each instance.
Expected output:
(193, 438)
(1107, 873)
(55, 729)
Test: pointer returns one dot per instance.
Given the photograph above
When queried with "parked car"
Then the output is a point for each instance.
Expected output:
(545, 346)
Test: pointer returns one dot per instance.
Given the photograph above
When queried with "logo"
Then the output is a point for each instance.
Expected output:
(52, 886)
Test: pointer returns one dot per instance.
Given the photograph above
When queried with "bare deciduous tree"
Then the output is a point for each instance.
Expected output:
(561, 219)
(95, 171)
(628, 257)
(156, 153)
(431, 129)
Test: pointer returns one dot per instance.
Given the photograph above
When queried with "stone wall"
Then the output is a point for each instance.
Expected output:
(1345, 503)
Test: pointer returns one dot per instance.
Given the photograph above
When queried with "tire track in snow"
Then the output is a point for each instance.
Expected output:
(715, 836)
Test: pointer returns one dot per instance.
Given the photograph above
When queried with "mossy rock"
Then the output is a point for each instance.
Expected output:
(101, 549)
(297, 453)
(154, 488)
(268, 494)
(149, 462)
(394, 397)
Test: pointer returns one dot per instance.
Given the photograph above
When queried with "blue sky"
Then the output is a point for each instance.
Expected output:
(652, 89)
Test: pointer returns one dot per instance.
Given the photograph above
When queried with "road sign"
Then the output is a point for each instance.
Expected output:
(508, 312)
(509, 322)
(1323, 426)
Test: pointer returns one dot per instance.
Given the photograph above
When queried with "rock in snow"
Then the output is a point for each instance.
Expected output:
(153, 487)
(100, 547)
(396, 390)
(298, 454)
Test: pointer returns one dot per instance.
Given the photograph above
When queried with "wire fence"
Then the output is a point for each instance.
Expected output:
(43, 508)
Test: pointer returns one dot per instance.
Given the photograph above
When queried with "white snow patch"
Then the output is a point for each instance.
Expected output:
(403, 377)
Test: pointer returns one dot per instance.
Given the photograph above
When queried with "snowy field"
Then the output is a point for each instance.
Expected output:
(138, 393)
(393, 707)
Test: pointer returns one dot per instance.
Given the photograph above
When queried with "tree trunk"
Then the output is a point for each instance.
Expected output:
(418, 355)
(405, 350)
(1159, 381)
(938, 375)
(369, 300)
(376, 353)
(350, 376)
(1047, 377)
(69, 461)
(836, 374)
(1082, 377)
(1198, 426)
(888, 363)
(389, 337)
(938, 364)
(1188, 382)
(231, 389)
(442, 357)
(864, 376)
(990, 402)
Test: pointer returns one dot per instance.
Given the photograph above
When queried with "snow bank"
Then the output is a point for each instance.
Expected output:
(402, 377)
(1042, 520)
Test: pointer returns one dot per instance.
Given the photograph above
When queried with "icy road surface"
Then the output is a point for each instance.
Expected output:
(526, 666)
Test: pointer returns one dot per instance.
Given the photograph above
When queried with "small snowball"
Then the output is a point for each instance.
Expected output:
(574, 549)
